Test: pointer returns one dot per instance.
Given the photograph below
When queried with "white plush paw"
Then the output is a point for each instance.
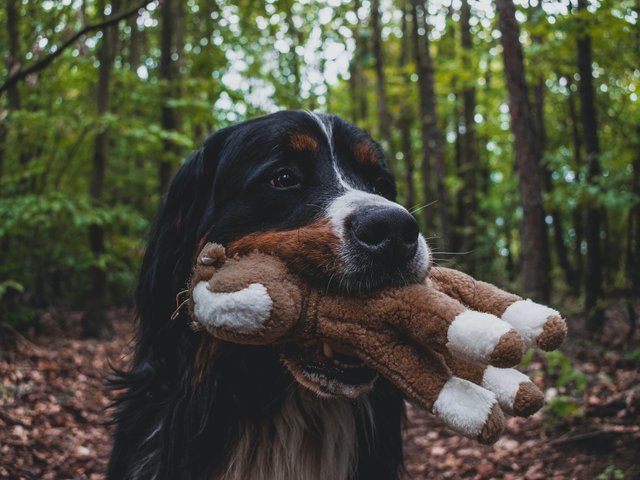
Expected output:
(469, 409)
(244, 311)
(538, 324)
(482, 337)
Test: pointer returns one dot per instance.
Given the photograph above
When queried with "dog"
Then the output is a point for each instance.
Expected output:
(193, 407)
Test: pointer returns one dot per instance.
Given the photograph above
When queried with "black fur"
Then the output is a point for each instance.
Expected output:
(220, 194)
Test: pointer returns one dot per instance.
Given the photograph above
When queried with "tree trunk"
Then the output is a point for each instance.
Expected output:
(577, 212)
(431, 141)
(296, 40)
(95, 322)
(13, 61)
(171, 45)
(535, 248)
(13, 64)
(358, 81)
(634, 270)
(384, 117)
(593, 274)
(541, 133)
(469, 162)
(406, 114)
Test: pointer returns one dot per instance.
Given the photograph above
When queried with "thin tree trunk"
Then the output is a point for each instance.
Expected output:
(384, 117)
(358, 80)
(13, 61)
(406, 112)
(171, 42)
(634, 270)
(296, 39)
(469, 165)
(593, 277)
(541, 132)
(577, 212)
(431, 141)
(134, 44)
(95, 321)
(13, 64)
(535, 248)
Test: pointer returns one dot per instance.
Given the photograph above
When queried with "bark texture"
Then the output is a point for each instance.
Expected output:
(384, 117)
(171, 45)
(431, 138)
(535, 249)
(95, 322)
(593, 271)
(406, 113)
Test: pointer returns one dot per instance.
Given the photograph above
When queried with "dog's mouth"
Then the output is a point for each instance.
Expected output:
(328, 370)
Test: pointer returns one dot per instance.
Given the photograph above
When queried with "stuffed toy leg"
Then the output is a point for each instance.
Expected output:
(449, 359)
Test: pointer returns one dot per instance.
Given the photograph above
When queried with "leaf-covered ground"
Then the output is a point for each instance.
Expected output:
(53, 414)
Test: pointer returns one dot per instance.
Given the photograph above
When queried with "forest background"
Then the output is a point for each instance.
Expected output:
(513, 130)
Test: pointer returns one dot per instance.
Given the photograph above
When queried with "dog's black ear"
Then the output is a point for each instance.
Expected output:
(167, 263)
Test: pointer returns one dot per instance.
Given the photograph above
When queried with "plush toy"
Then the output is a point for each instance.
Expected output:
(448, 344)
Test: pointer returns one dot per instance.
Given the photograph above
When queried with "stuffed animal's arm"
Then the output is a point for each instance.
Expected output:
(430, 318)
(424, 378)
(538, 325)
(250, 300)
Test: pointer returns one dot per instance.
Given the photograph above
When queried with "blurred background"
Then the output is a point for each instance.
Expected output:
(513, 130)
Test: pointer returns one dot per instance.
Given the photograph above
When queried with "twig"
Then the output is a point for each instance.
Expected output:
(580, 437)
(6, 418)
(44, 62)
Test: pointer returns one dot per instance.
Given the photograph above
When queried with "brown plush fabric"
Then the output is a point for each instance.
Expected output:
(509, 350)
(553, 333)
(528, 400)
(494, 426)
(473, 293)
(404, 333)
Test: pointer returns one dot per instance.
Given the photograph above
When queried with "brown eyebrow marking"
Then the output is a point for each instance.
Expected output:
(300, 142)
(365, 154)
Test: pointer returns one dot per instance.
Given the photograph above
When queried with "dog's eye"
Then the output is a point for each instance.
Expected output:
(284, 179)
(383, 187)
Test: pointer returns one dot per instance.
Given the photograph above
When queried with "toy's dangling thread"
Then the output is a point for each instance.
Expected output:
(179, 305)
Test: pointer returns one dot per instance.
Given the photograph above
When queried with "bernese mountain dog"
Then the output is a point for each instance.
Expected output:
(193, 407)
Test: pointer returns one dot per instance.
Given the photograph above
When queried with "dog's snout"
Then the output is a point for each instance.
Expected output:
(388, 233)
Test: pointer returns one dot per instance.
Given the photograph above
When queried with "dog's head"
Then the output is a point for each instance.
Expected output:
(314, 182)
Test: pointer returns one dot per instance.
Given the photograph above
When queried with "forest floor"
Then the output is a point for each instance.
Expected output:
(53, 412)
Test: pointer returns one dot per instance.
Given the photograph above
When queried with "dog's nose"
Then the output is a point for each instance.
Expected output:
(390, 234)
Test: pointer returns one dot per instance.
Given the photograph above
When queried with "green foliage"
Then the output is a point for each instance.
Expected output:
(632, 355)
(564, 374)
(561, 409)
(243, 59)
(565, 378)
(610, 473)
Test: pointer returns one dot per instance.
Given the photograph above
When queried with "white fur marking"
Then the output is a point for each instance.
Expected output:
(347, 204)
(245, 311)
(464, 406)
(326, 128)
(504, 383)
(308, 438)
(474, 335)
(528, 318)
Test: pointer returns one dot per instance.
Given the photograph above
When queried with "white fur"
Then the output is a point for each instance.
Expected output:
(327, 129)
(464, 406)
(504, 383)
(245, 311)
(528, 318)
(309, 438)
(344, 205)
(474, 335)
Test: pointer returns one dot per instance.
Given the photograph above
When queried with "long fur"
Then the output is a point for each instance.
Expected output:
(191, 407)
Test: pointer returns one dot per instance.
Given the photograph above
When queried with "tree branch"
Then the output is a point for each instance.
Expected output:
(44, 62)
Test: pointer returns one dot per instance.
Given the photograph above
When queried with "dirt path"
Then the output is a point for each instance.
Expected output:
(52, 420)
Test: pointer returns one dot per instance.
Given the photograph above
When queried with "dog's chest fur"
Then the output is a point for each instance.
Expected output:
(309, 438)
